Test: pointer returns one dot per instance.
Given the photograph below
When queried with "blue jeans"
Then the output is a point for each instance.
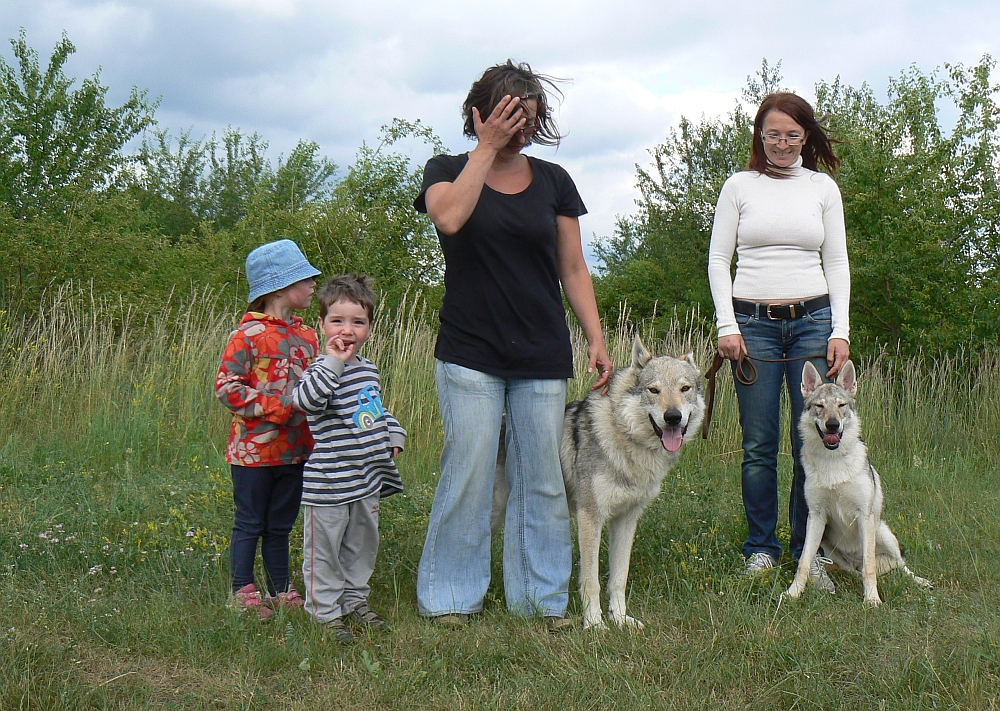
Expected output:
(267, 504)
(760, 419)
(454, 570)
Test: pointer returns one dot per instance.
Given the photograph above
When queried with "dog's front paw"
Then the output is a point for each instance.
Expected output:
(627, 622)
(631, 623)
(594, 622)
(923, 582)
(795, 590)
(873, 600)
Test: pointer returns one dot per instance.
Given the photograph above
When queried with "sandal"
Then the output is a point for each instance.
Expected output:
(290, 599)
(248, 598)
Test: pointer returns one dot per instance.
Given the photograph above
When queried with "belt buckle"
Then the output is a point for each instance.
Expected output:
(791, 311)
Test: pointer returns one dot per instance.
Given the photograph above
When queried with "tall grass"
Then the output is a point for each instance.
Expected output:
(104, 379)
(115, 508)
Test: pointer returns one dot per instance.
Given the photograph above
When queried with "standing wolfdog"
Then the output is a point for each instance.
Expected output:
(615, 452)
(843, 490)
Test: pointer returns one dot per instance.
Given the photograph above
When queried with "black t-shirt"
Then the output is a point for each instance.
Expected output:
(502, 312)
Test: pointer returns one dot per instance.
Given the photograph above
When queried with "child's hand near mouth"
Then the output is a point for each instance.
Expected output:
(336, 346)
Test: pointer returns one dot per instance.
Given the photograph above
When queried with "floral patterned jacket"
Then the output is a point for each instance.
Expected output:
(263, 360)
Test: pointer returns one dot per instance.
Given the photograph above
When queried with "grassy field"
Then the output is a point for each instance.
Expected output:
(115, 511)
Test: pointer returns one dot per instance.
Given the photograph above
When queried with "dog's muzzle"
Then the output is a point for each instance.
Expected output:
(831, 437)
(670, 437)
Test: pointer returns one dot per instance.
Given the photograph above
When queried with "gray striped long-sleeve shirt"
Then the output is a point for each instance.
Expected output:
(354, 433)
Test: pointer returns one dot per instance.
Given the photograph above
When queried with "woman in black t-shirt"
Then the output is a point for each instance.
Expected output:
(510, 233)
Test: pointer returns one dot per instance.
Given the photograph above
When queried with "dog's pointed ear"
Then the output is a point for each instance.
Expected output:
(640, 356)
(689, 357)
(847, 378)
(811, 379)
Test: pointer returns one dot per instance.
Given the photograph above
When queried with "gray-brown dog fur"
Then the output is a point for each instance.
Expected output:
(842, 489)
(613, 464)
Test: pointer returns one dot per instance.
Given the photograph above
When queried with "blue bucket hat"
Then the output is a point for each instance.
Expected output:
(276, 265)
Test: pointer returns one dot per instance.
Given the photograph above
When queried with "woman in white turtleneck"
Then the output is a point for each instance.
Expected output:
(790, 299)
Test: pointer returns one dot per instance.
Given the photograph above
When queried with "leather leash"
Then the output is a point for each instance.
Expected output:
(746, 374)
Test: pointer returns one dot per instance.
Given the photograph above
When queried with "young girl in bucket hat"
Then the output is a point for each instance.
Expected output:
(269, 441)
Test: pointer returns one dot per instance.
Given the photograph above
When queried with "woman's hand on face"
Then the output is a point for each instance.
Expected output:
(600, 359)
(732, 346)
(837, 352)
(496, 131)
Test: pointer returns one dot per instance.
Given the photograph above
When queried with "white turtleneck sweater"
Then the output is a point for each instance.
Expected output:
(779, 228)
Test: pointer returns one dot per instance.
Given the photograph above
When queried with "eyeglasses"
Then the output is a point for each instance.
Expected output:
(792, 139)
(530, 127)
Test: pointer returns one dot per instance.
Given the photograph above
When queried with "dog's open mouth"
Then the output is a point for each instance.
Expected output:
(671, 437)
(831, 440)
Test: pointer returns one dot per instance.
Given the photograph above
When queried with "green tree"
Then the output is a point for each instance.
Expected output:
(370, 224)
(238, 170)
(56, 142)
(173, 187)
(302, 178)
(921, 206)
(185, 182)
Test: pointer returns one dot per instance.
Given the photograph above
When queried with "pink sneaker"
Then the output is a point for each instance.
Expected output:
(290, 599)
(249, 598)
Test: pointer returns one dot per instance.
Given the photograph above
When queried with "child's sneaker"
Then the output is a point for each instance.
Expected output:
(290, 599)
(340, 631)
(366, 617)
(248, 598)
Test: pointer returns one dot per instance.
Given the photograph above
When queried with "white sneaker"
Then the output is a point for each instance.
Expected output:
(819, 576)
(759, 561)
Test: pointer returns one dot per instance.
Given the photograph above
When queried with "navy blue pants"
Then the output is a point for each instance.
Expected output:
(760, 412)
(267, 504)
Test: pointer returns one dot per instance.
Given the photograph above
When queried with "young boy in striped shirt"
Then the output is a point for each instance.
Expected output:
(352, 464)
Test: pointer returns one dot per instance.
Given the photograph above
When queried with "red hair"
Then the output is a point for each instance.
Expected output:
(818, 147)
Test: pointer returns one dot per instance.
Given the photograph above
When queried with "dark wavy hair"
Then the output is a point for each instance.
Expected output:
(514, 80)
(356, 288)
(817, 149)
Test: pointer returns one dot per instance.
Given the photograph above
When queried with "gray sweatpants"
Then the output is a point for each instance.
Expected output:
(339, 547)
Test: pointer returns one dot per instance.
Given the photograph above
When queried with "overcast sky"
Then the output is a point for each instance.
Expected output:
(335, 71)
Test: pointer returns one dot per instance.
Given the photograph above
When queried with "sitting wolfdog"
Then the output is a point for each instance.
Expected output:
(615, 452)
(842, 488)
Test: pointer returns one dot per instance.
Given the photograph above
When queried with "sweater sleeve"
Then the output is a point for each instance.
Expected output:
(835, 263)
(233, 389)
(720, 257)
(314, 390)
(397, 435)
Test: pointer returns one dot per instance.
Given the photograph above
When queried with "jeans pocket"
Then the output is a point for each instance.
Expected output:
(823, 316)
(467, 379)
(743, 319)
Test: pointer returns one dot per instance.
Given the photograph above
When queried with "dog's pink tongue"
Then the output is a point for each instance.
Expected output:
(831, 438)
(672, 439)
